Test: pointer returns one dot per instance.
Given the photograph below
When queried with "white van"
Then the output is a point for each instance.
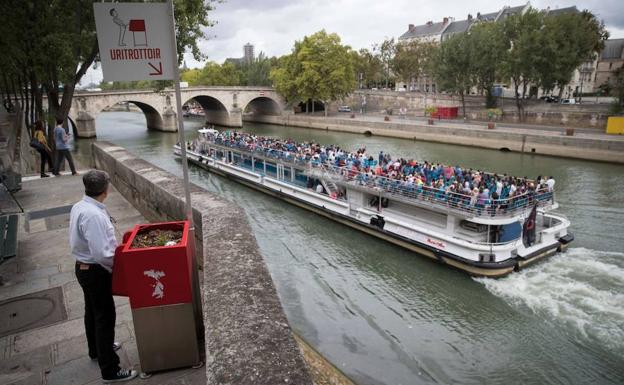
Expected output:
(568, 101)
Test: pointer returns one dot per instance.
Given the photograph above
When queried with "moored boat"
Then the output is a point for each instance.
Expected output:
(483, 235)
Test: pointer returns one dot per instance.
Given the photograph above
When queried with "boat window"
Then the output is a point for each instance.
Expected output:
(509, 232)
(476, 227)
(271, 169)
(301, 178)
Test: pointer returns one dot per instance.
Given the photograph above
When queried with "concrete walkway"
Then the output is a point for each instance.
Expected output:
(57, 353)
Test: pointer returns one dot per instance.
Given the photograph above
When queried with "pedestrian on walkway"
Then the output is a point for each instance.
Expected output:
(61, 140)
(40, 143)
(92, 243)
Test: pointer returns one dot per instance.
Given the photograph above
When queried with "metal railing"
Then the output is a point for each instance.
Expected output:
(381, 186)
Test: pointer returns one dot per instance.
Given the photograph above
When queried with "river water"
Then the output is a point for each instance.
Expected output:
(384, 315)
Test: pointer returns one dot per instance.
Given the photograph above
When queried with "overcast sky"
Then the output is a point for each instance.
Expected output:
(273, 26)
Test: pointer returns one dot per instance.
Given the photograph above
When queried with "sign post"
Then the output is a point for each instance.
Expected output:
(138, 42)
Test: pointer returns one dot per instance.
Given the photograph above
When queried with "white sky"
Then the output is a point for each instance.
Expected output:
(273, 26)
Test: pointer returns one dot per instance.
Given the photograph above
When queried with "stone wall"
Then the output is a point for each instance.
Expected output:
(556, 144)
(248, 339)
(537, 111)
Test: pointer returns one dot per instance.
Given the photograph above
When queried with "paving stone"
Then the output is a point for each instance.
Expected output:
(30, 340)
(25, 368)
(11, 290)
(60, 279)
(76, 372)
(8, 267)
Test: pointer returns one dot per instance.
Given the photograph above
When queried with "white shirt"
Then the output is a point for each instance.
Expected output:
(91, 233)
(551, 184)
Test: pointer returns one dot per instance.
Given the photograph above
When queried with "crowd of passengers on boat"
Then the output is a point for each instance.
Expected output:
(460, 187)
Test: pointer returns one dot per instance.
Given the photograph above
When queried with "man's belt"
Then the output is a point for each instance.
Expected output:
(84, 266)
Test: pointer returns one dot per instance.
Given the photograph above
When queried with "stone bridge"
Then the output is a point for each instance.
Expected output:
(223, 106)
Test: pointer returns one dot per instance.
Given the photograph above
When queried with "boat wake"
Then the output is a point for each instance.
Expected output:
(582, 289)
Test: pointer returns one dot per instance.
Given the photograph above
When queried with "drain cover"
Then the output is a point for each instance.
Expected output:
(31, 311)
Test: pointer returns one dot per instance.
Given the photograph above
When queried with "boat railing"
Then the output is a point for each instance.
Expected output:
(439, 197)
(458, 202)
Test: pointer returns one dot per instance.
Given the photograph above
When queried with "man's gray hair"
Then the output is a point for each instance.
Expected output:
(95, 182)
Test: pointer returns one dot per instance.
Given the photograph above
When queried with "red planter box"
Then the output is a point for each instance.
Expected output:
(445, 112)
(154, 276)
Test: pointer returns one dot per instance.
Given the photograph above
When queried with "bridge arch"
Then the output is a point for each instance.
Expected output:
(215, 111)
(152, 117)
(262, 105)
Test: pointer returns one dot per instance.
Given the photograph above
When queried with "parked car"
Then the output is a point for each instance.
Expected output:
(550, 98)
(568, 101)
(344, 109)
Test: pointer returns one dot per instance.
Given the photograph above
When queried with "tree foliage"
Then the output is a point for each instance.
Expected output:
(319, 68)
(487, 49)
(369, 66)
(453, 66)
(386, 51)
(546, 49)
(411, 59)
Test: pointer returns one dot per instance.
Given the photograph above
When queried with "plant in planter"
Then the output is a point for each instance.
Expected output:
(493, 114)
(569, 131)
(430, 111)
(386, 118)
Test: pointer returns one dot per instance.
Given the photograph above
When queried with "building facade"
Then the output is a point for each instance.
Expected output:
(611, 58)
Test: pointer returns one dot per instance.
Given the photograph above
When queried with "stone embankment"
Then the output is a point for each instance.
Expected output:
(592, 113)
(584, 144)
(248, 339)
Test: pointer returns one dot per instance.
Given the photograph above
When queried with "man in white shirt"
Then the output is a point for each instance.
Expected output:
(92, 242)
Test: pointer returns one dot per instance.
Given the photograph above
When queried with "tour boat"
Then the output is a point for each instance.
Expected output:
(489, 240)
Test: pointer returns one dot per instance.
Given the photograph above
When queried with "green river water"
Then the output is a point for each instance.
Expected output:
(385, 315)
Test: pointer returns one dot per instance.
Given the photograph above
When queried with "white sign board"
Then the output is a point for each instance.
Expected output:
(135, 41)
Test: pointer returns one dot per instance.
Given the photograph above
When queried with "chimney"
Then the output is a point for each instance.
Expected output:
(445, 20)
(410, 27)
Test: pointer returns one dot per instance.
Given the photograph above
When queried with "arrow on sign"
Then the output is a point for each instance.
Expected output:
(158, 71)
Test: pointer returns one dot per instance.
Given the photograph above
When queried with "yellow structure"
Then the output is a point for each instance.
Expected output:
(615, 125)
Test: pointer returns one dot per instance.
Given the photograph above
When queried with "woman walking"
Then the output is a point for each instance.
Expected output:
(40, 143)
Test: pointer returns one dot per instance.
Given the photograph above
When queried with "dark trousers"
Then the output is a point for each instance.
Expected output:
(60, 154)
(45, 158)
(100, 316)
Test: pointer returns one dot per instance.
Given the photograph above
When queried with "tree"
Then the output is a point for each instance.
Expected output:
(319, 68)
(411, 59)
(453, 66)
(257, 72)
(568, 40)
(617, 108)
(385, 51)
(370, 66)
(522, 60)
(487, 46)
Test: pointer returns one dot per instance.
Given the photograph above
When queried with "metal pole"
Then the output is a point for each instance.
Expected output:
(196, 298)
(181, 138)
